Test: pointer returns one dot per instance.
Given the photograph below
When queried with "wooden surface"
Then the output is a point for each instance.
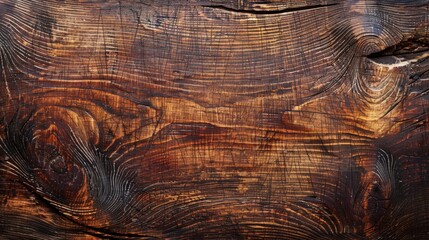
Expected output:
(221, 119)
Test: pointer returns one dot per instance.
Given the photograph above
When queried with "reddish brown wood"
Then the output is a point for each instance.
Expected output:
(152, 119)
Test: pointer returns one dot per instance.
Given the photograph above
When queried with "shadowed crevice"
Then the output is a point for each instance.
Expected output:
(410, 50)
(280, 11)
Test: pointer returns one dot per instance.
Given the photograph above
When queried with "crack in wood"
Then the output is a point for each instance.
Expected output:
(265, 12)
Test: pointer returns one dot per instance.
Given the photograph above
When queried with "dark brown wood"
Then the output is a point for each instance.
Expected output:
(245, 119)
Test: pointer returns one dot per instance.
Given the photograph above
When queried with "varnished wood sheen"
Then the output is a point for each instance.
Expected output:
(214, 119)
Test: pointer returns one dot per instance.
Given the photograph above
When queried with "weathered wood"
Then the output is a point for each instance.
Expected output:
(281, 119)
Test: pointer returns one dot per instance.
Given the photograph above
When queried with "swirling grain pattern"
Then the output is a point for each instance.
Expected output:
(214, 119)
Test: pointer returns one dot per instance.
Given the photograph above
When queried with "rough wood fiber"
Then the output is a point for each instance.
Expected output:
(244, 119)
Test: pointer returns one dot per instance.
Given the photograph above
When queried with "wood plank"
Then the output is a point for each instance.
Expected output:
(214, 119)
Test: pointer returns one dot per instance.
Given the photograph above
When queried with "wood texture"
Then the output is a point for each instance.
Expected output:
(217, 119)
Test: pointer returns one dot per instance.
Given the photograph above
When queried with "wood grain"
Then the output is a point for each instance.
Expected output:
(214, 119)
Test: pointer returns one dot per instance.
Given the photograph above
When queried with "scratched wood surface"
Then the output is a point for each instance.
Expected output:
(217, 119)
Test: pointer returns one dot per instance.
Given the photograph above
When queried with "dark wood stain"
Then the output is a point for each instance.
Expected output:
(214, 119)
